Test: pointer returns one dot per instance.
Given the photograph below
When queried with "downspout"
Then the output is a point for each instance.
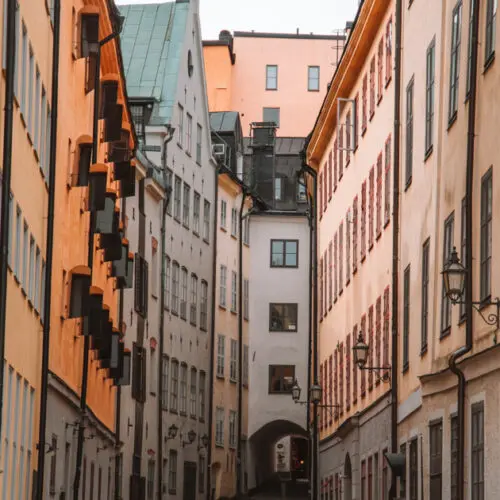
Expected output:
(166, 201)
(212, 339)
(240, 343)
(7, 170)
(86, 339)
(309, 342)
(395, 243)
(118, 457)
(47, 302)
(452, 363)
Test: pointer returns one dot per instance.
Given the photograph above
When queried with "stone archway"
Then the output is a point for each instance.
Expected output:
(347, 479)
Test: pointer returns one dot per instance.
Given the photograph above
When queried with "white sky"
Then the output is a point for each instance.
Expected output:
(285, 16)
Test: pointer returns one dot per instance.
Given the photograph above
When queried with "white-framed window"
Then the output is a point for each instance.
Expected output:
(168, 273)
(221, 347)
(233, 361)
(193, 309)
(271, 77)
(203, 305)
(246, 231)
(189, 132)
(223, 213)
(219, 426)
(174, 385)
(192, 393)
(153, 371)
(222, 290)
(196, 213)
(199, 138)
(234, 292)
(185, 205)
(246, 298)
(234, 222)
(206, 221)
(232, 429)
(180, 121)
(313, 78)
(165, 364)
(201, 388)
(184, 292)
(183, 389)
(177, 198)
(175, 287)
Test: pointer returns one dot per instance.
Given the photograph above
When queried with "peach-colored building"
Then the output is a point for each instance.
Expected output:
(353, 158)
(27, 242)
(271, 77)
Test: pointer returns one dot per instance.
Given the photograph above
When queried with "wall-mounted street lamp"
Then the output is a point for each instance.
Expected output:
(191, 435)
(315, 396)
(454, 274)
(360, 352)
(172, 432)
(203, 442)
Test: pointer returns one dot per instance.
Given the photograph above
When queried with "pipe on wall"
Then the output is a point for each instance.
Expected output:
(395, 242)
(44, 379)
(469, 185)
(11, 55)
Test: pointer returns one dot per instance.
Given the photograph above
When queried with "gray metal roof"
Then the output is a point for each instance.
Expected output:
(224, 121)
(151, 43)
(284, 145)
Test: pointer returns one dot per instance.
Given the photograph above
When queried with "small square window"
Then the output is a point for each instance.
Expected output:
(283, 317)
(284, 253)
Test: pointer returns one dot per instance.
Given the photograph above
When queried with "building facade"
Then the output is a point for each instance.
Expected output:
(27, 240)
(351, 148)
(166, 88)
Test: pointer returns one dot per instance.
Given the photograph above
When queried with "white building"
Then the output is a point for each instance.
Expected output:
(166, 87)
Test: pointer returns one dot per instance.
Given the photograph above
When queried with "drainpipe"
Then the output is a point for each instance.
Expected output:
(239, 470)
(86, 338)
(166, 201)
(118, 457)
(452, 363)
(49, 254)
(212, 339)
(309, 343)
(395, 242)
(7, 169)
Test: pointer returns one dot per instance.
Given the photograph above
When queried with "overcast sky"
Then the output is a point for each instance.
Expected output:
(285, 16)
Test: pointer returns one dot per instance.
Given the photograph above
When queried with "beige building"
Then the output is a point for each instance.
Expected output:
(351, 149)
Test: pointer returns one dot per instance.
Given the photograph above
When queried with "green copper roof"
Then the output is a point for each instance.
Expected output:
(151, 43)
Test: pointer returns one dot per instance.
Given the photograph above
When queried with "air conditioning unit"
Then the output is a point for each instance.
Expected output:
(219, 150)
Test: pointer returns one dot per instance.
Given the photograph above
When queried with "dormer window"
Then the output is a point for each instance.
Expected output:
(89, 35)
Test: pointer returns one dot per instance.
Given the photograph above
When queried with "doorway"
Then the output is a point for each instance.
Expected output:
(347, 478)
(189, 490)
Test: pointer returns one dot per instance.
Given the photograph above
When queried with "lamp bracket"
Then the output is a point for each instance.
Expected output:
(386, 375)
(491, 319)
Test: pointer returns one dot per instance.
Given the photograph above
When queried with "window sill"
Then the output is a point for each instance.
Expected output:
(355, 270)
(175, 313)
(203, 329)
(489, 62)
(452, 119)
(406, 368)
(347, 282)
(445, 333)
(193, 323)
(196, 233)
(372, 114)
(202, 420)
(423, 351)
(29, 138)
(246, 244)
(206, 241)
(154, 296)
(222, 228)
(220, 377)
(388, 81)
(179, 144)
(428, 153)
(313, 90)
(172, 492)
(378, 235)
(218, 445)
(363, 131)
(233, 380)
(152, 393)
(379, 100)
(341, 292)
(186, 226)
(222, 306)
(363, 258)
(370, 247)
(183, 413)
(16, 279)
(188, 153)
(176, 219)
(386, 223)
(193, 417)
(234, 236)
(234, 312)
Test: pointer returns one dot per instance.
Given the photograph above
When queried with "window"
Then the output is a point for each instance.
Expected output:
(447, 248)
(335, 267)
(17, 257)
(175, 288)
(185, 202)
(271, 77)
(429, 96)
(477, 451)
(196, 213)
(380, 69)
(378, 201)
(219, 426)
(139, 373)
(183, 390)
(388, 52)
(414, 470)
(386, 326)
(164, 375)
(491, 21)
(372, 87)
(348, 129)
(284, 253)
(221, 347)
(168, 180)
(177, 199)
(347, 247)
(234, 293)
(371, 197)
(313, 78)
(201, 474)
(469, 50)
(25, 256)
(201, 387)
(192, 393)
(141, 285)
(174, 388)
(245, 365)
(246, 231)
(151, 479)
(31, 81)
(167, 284)
(364, 92)
(180, 121)
(387, 181)
(283, 317)
(204, 305)
(24, 55)
(279, 189)
(281, 379)
(425, 297)
(31, 269)
(246, 297)
(232, 429)
(486, 235)
(363, 480)
(193, 313)
(454, 458)
(455, 60)
(409, 132)
(199, 138)
(184, 293)
(189, 133)
(233, 361)
(330, 274)
(172, 472)
(436, 459)
(10, 254)
(36, 138)
(463, 253)
(272, 115)
(53, 459)
(206, 221)
(222, 286)
(406, 319)
(363, 221)
(402, 479)
(154, 269)
(234, 222)
(223, 213)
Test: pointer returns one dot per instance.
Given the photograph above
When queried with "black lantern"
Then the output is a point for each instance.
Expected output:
(296, 391)
(172, 431)
(316, 394)
(360, 351)
(204, 440)
(454, 277)
(191, 436)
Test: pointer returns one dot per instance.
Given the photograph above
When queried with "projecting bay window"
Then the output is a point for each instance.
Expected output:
(283, 317)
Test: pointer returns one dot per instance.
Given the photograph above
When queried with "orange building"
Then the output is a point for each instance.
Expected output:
(93, 175)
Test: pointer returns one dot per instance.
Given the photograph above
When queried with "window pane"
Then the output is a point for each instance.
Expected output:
(291, 253)
(277, 253)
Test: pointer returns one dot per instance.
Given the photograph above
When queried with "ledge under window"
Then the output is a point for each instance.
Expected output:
(445, 333)
(428, 153)
(451, 120)
(489, 62)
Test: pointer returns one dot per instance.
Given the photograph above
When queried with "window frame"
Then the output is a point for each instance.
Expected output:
(449, 230)
(490, 31)
(456, 39)
(477, 449)
(284, 305)
(311, 79)
(281, 367)
(436, 457)
(270, 77)
(284, 254)
(430, 78)
(486, 237)
(406, 317)
(410, 95)
(424, 314)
